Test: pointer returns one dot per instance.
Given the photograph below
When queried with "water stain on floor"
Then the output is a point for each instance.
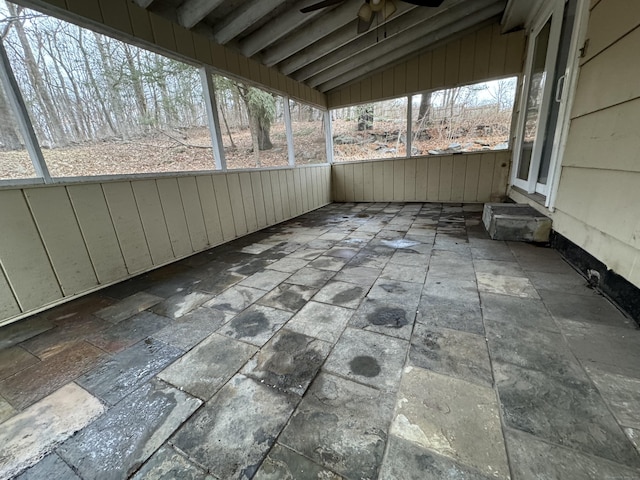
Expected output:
(388, 317)
(365, 365)
(252, 324)
(347, 296)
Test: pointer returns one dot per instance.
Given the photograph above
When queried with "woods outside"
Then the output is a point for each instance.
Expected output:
(100, 106)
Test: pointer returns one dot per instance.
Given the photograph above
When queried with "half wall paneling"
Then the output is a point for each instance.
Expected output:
(64, 240)
(473, 177)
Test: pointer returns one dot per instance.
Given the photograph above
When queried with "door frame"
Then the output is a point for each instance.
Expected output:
(550, 9)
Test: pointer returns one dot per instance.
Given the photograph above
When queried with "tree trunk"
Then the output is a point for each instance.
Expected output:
(365, 117)
(53, 121)
(425, 108)
(8, 134)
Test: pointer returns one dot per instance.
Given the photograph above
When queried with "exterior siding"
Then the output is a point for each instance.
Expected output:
(64, 240)
(472, 178)
(599, 189)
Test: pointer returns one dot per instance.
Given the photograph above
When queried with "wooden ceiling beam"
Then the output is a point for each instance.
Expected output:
(191, 12)
(243, 18)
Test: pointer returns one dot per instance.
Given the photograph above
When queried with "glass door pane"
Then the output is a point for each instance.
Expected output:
(534, 99)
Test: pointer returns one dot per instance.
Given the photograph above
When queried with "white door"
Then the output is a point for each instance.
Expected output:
(540, 110)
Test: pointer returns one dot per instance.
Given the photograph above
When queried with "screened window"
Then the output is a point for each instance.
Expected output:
(309, 139)
(370, 131)
(101, 106)
(251, 124)
(463, 119)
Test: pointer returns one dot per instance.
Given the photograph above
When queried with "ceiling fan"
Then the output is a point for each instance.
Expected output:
(372, 8)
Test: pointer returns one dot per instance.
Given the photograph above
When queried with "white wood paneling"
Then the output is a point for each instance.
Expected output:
(58, 226)
(174, 216)
(128, 226)
(210, 209)
(8, 303)
(153, 221)
(23, 256)
(223, 200)
(97, 229)
(193, 212)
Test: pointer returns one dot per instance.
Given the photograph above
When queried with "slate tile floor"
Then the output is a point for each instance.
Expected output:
(390, 341)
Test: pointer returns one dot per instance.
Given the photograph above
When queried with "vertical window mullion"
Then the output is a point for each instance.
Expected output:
(289, 131)
(407, 143)
(329, 135)
(16, 101)
(208, 89)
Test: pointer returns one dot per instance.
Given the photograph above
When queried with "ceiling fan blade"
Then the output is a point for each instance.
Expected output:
(365, 17)
(319, 5)
(425, 3)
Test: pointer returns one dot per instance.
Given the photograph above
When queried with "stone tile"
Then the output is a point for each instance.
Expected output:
(28, 436)
(320, 320)
(128, 307)
(166, 463)
(634, 436)
(233, 432)
(283, 462)
(332, 264)
(506, 285)
(342, 252)
(22, 330)
(206, 368)
(453, 418)
(451, 265)
(287, 296)
(451, 352)
(129, 331)
(42, 379)
(6, 410)
(410, 259)
(50, 467)
(567, 412)
(173, 284)
(583, 308)
(265, 279)
(288, 265)
(408, 461)
(614, 350)
(385, 316)
(404, 273)
(520, 312)
(573, 282)
(369, 261)
(219, 282)
(496, 267)
(307, 253)
(368, 358)
(256, 248)
(235, 299)
(116, 444)
(14, 359)
(181, 304)
(621, 393)
(341, 293)
(117, 376)
(499, 253)
(364, 276)
(531, 458)
(192, 328)
(310, 277)
(394, 291)
(342, 426)
(77, 309)
(63, 335)
(256, 325)
(450, 303)
(289, 362)
(540, 350)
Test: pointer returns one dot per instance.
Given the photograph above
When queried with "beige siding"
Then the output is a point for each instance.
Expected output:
(475, 177)
(476, 57)
(599, 190)
(61, 241)
(125, 19)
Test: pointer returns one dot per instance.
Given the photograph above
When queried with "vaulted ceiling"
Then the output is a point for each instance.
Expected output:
(323, 48)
